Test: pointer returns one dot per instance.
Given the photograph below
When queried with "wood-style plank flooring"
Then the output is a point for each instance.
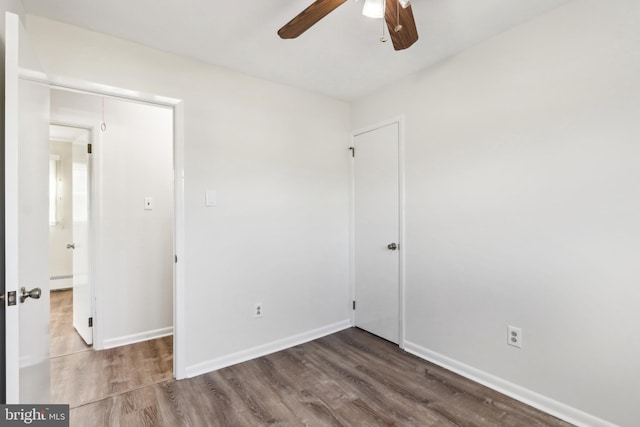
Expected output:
(64, 338)
(80, 375)
(79, 378)
(350, 378)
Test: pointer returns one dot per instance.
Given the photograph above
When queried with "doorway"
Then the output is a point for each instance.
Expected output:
(71, 296)
(122, 245)
(377, 230)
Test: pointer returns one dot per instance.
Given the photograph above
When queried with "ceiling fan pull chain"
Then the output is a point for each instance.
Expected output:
(383, 37)
(398, 27)
(103, 124)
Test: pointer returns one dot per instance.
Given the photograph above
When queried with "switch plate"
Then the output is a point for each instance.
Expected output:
(148, 203)
(210, 198)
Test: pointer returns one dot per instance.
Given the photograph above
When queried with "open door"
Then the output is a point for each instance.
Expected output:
(82, 295)
(26, 221)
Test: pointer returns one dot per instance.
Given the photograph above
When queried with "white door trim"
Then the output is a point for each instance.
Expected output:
(401, 221)
(12, 337)
(179, 284)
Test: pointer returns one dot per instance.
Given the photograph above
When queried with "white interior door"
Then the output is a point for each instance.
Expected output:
(376, 231)
(82, 295)
(26, 216)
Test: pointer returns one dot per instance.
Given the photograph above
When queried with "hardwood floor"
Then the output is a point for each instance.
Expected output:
(80, 375)
(64, 338)
(88, 376)
(350, 378)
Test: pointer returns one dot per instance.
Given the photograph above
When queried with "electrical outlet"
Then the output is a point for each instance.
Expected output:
(514, 336)
(257, 310)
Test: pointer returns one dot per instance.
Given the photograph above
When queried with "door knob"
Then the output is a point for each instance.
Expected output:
(33, 293)
(71, 245)
(392, 246)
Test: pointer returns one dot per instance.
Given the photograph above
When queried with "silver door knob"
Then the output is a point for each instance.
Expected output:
(33, 293)
(392, 246)
(71, 245)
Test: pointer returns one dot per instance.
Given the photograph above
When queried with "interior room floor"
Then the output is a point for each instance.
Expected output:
(80, 375)
(350, 378)
(64, 338)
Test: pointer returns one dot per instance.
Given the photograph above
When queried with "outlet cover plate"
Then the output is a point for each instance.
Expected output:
(514, 336)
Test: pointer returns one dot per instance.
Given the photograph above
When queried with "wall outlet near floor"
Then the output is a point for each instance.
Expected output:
(257, 309)
(514, 336)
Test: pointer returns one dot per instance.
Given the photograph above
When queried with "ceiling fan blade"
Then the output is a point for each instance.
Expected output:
(308, 17)
(408, 33)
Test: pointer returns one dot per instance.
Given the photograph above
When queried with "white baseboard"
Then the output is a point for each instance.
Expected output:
(546, 404)
(59, 284)
(135, 338)
(262, 350)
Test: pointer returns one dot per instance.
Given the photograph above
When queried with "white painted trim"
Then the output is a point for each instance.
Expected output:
(95, 210)
(12, 335)
(83, 86)
(402, 243)
(262, 350)
(543, 403)
(352, 232)
(401, 221)
(59, 284)
(179, 242)
(139, 337)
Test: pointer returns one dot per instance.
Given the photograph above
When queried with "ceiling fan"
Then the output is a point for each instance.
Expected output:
(397, 14)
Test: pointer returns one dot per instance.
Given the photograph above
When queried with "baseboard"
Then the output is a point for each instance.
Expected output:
(543, 403)
(262, 350)
(135, 338)
(59, 284)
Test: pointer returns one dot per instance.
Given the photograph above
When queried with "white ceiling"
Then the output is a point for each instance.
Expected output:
(341, 56)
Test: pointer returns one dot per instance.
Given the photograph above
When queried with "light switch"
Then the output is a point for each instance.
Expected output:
(210, 198)
(148, 203)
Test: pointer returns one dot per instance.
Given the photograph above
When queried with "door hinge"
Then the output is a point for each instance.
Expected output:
(89, 148)
(353, 151)
(175, 257)
(354, 304)
(90, 322)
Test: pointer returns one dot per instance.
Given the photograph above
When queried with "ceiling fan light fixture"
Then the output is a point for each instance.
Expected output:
(404, 3)
(373, 8)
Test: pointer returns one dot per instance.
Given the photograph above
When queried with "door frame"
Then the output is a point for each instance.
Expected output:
(179, 226)
(94, 208)
(400, 120)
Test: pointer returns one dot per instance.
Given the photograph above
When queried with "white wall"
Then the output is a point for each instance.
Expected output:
(61, 234)
(277, 158)
(522, 206)
(134, 252)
